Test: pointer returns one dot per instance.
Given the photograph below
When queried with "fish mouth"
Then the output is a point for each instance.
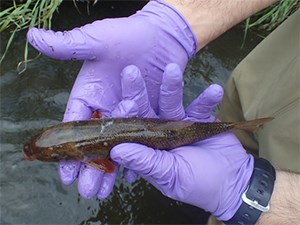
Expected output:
(27, 152)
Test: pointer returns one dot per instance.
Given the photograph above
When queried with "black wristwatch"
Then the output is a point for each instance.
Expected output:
(257, 196)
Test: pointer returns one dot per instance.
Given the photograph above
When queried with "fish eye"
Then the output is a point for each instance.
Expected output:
(28, 153)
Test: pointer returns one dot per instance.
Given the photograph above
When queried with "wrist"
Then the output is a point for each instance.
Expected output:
(256, 198)
(285, 201)
(173, 24)
(210, 19)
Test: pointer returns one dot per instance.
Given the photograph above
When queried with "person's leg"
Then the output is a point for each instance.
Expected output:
(266, 84)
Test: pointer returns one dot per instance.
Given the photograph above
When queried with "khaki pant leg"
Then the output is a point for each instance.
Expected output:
(266, 84)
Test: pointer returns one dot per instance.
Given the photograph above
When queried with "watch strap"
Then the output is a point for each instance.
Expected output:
(257, 195)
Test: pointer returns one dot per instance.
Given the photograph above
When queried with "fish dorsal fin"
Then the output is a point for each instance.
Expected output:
(171, 125)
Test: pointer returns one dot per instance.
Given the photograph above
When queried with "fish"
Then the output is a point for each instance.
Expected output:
(90, 141)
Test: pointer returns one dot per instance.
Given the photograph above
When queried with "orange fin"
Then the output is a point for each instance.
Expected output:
(96, 115)
(104, 165)
(252, 125)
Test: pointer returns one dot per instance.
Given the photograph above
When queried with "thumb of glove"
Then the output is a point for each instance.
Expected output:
(62, 45)
(145, 161)
(162, 169)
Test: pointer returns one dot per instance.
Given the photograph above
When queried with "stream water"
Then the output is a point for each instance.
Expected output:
(31, 192)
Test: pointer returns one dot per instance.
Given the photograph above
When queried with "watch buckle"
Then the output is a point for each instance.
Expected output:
(254, 203)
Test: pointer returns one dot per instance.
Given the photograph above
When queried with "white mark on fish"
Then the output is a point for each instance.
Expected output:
(104, 125)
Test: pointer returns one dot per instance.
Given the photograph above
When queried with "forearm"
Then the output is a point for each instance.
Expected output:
(210, 19)
(285, 201)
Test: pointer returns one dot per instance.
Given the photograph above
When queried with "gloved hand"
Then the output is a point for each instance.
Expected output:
(150, 39)
(135, 102)
(211, 174)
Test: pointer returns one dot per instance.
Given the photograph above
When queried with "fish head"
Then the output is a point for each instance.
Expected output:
(32, 152)
(28, 152)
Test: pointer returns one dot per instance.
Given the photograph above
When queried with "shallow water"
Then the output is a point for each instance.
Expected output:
(31, 192)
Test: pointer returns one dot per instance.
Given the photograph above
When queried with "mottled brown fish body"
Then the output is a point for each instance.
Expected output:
(93, 139)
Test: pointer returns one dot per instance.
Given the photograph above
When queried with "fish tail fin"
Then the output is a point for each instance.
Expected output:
(251, 125)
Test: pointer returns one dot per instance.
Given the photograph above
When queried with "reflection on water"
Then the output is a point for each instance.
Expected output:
(31, 192)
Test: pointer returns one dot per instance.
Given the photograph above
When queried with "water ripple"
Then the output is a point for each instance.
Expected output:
(20, 126)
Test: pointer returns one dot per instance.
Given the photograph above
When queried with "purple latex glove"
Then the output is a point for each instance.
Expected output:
(135, 102)
(150, 39)
(211, 174)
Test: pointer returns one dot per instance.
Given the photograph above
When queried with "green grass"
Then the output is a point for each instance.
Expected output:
(20, 16)
(268, 19)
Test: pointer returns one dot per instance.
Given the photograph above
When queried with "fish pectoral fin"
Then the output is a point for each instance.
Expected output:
(172, 125)
(104, 165)
(96, 115)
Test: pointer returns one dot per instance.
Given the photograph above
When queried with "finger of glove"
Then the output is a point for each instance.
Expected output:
(89, 181)
(107, 183)
(77, 110)
(154, 166)
(65, 45)
(68, 171)
(125, 109)
(130, 175)
(134, 88)
(202, 107)
(170, 99)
